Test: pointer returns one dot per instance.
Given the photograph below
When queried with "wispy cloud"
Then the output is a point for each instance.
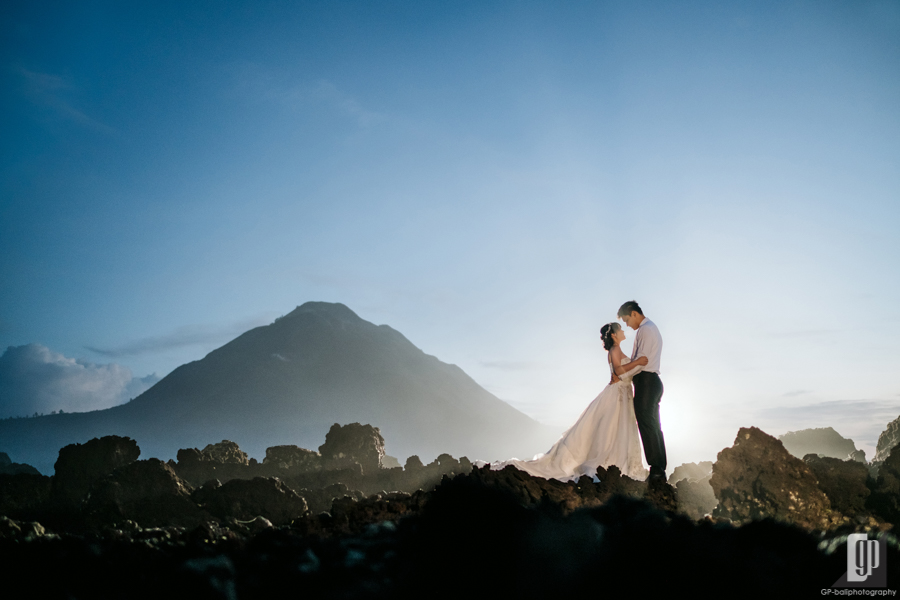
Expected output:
(262, 83)
(47, 91)
(189, 335)
(794, 393)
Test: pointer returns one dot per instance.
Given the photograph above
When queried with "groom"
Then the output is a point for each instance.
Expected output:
(648, 388)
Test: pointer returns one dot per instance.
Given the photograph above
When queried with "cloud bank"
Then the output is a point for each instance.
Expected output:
(34, 379)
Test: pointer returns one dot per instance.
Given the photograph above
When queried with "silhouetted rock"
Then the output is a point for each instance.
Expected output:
(843, 481)
(223, 461)
(353, 443)
(247, 499)
(226, 452)
(823, 441)
(758, 478)
(79, 465)
(887, 440)
(884, 500)
(413, 463)
(536, 491)
(11, 468)
(696, 498)
(691, 471)
(147, 492)
(292, 458)
(22, 494)
(4, 460)
(390, 462)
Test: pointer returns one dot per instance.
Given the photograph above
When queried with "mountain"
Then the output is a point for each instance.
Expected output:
(287, 383)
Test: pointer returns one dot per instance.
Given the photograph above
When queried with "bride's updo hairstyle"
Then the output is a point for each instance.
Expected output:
(606, 334)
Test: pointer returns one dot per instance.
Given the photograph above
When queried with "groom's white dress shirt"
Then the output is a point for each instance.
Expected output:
(648, 342)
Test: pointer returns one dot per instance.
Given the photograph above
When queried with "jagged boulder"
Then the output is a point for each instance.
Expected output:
(884, 500)
(699, 470)
(226, 452)
(888, 439)
(758, 478)
(292, 458)
(413, 463)
(822, 441)
(531, 491)
(147, 492)
(22, 494)
(80, 465)
(223, 461)
(244, 500)
(695, 497)
(8, 467)
(843, 481)
(351, 443)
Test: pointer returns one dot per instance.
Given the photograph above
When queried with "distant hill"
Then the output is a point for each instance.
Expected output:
(287, 383)
(823, 441)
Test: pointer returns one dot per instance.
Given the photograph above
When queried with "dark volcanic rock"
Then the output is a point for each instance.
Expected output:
(247, 499)
(823, 441)
(4, 460)
(22, 494)
(12, 468)
(885, 498)
(758, 478)
(223, 461)
(351, 443)
(294, 459)
(888, 439)
(536, 491)
(79, 465)
(147, 492)
(226, 452)
(843, 481)
(696, 498)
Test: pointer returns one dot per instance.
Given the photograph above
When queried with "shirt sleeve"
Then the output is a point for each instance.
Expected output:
(638, 346)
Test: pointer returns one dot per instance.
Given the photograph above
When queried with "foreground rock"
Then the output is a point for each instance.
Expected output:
(532, 491)
(823, 441)
(845, 482)
(245, 500)
(758, 478)
(80, 465)
(887, 441)
(147, 492)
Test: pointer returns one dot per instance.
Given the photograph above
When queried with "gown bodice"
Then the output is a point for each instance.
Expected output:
(627, 375)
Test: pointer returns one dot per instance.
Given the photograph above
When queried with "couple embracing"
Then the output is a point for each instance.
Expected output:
(607, 431)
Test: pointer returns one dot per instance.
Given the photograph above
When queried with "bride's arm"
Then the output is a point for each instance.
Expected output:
(619, 368)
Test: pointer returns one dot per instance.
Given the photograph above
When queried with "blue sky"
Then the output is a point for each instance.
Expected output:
(493, 179)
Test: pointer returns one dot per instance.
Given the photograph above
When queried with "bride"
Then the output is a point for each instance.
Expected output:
(605, 434)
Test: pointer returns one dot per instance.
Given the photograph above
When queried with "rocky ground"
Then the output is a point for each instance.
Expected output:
(337, 524)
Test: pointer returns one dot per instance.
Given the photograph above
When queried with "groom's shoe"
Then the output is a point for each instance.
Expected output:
(656, 475)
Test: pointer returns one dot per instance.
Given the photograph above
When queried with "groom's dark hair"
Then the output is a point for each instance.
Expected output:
(629, 307)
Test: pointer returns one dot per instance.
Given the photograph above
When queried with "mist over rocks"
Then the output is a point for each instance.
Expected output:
(287, 383)
(334, 529)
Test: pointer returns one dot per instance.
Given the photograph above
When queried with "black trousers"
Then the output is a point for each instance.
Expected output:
(648, 390)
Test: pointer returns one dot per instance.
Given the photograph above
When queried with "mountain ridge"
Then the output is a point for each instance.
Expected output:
(287, 383)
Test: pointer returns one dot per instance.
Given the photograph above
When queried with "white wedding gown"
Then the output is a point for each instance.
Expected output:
(605, 434)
